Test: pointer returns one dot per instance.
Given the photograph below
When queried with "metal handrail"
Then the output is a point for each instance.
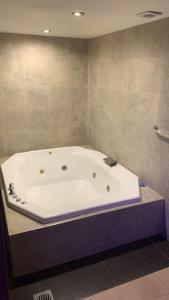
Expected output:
(162, 133)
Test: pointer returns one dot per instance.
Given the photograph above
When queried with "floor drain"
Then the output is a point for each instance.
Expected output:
(46, 295)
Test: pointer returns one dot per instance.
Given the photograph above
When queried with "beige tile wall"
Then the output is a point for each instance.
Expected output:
(128, 95)
(43, 92)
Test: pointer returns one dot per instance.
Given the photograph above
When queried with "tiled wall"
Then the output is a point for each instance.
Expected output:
(128, 95)
(46, 91)
(43, 92)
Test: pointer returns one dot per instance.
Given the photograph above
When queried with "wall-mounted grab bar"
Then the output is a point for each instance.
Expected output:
(162, 133)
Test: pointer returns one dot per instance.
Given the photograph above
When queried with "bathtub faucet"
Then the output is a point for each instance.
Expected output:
(110, 161)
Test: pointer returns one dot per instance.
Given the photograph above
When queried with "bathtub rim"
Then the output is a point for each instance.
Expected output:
(79, 213)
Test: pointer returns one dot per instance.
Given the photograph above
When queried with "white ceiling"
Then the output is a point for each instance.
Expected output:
(102, 16)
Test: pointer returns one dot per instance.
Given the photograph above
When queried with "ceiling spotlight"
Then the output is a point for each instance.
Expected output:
(78, 13)
(46, 30)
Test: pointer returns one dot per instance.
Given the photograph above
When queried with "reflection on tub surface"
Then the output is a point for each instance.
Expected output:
(52, 185)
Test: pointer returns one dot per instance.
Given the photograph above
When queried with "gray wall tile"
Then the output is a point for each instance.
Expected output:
(128, 95)
(110, 90)
(43, 92)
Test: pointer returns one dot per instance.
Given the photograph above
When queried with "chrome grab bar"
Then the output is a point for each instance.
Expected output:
(162, 133)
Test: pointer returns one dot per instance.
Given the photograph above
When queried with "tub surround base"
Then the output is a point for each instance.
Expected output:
(35, 246)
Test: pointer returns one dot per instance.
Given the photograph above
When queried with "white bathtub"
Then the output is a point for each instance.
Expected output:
(57, 184)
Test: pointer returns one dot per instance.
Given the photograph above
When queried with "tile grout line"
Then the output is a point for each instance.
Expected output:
(163, 283)
(163, 296)
(109, 274)
(165, 255)
(161, 251)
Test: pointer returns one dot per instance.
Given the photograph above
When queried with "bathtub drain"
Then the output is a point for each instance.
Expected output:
(108, 188)
(46, 295)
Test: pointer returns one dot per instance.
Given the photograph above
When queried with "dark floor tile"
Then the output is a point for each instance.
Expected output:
(24, 293)
(163, 246)
(78, 284)
(136, 263)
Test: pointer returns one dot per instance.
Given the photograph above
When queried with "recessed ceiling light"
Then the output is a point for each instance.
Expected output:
(78, 13)
(149, 14)
(46, 30)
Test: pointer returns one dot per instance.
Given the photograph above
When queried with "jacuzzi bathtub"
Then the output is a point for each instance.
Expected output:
(57, 184)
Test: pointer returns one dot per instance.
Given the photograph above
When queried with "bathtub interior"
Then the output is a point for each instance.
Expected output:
(65, 181)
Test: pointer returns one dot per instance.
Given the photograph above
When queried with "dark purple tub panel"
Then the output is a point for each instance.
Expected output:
(3, 275)
(167, 218)
(3, 268)
(39, 249)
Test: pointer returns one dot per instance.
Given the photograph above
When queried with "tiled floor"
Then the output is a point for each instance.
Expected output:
(115, 274)
(150, 287)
